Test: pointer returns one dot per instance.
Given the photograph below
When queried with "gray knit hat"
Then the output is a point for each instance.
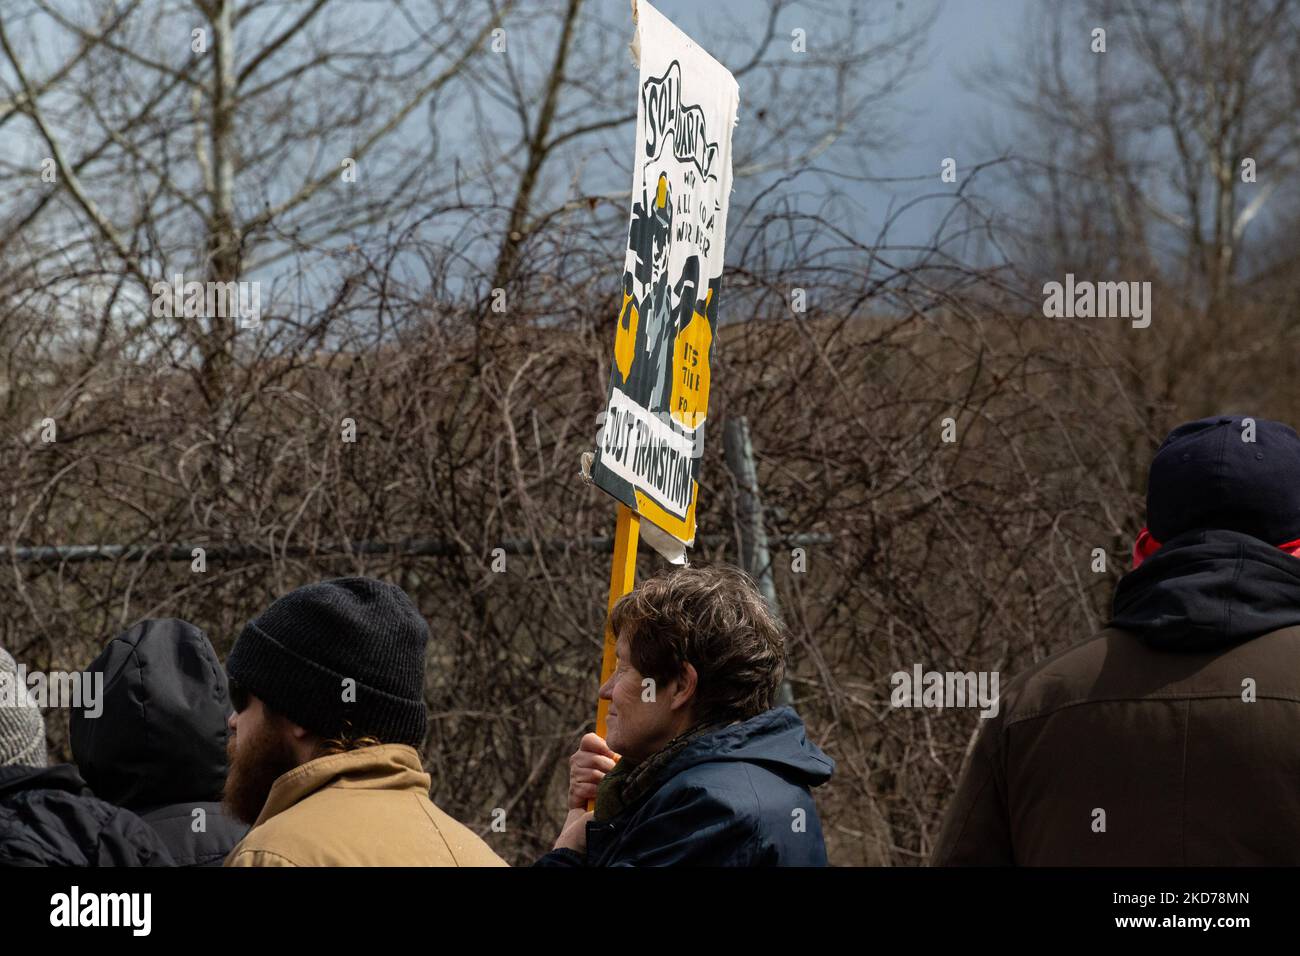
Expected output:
(22, 728)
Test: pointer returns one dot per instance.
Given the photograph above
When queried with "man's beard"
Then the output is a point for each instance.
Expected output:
(257, 763)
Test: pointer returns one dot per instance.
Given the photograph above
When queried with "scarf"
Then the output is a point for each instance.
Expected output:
(625, 785)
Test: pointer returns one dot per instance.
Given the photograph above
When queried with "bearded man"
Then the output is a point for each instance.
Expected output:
(327, 687)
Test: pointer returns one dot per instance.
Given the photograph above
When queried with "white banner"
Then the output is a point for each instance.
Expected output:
(672, 280)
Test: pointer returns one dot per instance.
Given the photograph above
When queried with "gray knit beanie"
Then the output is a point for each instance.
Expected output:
(22, 728)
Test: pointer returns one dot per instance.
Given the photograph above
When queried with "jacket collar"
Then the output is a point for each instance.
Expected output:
(62, 776)
(627, 784)
(775, 739)
(381, 767)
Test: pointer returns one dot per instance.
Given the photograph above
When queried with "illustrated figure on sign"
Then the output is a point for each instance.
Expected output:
(648, 323)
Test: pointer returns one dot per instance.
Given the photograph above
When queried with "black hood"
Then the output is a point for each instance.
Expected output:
(161, 738)
(1209, 589)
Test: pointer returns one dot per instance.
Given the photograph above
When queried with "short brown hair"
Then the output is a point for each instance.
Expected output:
(345, 743)
(716, 620)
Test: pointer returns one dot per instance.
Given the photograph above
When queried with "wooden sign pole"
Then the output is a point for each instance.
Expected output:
(622, 576)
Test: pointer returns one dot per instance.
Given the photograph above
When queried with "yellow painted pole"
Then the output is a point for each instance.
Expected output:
(622, 576)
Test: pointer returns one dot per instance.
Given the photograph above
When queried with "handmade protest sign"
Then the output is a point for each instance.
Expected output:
(652, 437)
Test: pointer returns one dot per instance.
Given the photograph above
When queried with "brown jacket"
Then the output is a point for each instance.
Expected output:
(1186, 771)
(366, 807)
(1170, 739)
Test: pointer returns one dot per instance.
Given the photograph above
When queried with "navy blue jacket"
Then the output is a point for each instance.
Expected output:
(737, 797)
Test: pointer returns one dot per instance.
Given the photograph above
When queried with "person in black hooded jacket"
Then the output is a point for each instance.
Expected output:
(1169, 739)
(159, 747)
(48, 816)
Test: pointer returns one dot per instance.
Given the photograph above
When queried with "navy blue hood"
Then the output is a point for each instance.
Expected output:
(1205, 590)
(775, 740)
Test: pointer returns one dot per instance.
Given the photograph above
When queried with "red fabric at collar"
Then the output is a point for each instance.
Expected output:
(1145, 546)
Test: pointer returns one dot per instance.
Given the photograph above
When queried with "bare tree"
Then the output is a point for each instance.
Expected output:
(370, 427)
(1169, 157)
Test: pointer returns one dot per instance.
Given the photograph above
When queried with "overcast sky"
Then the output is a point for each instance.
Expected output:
(939, 113)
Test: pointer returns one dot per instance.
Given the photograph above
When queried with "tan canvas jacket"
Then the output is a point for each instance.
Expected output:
(366, 807)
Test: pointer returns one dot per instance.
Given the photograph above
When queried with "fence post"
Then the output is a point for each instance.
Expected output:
(754, 553)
